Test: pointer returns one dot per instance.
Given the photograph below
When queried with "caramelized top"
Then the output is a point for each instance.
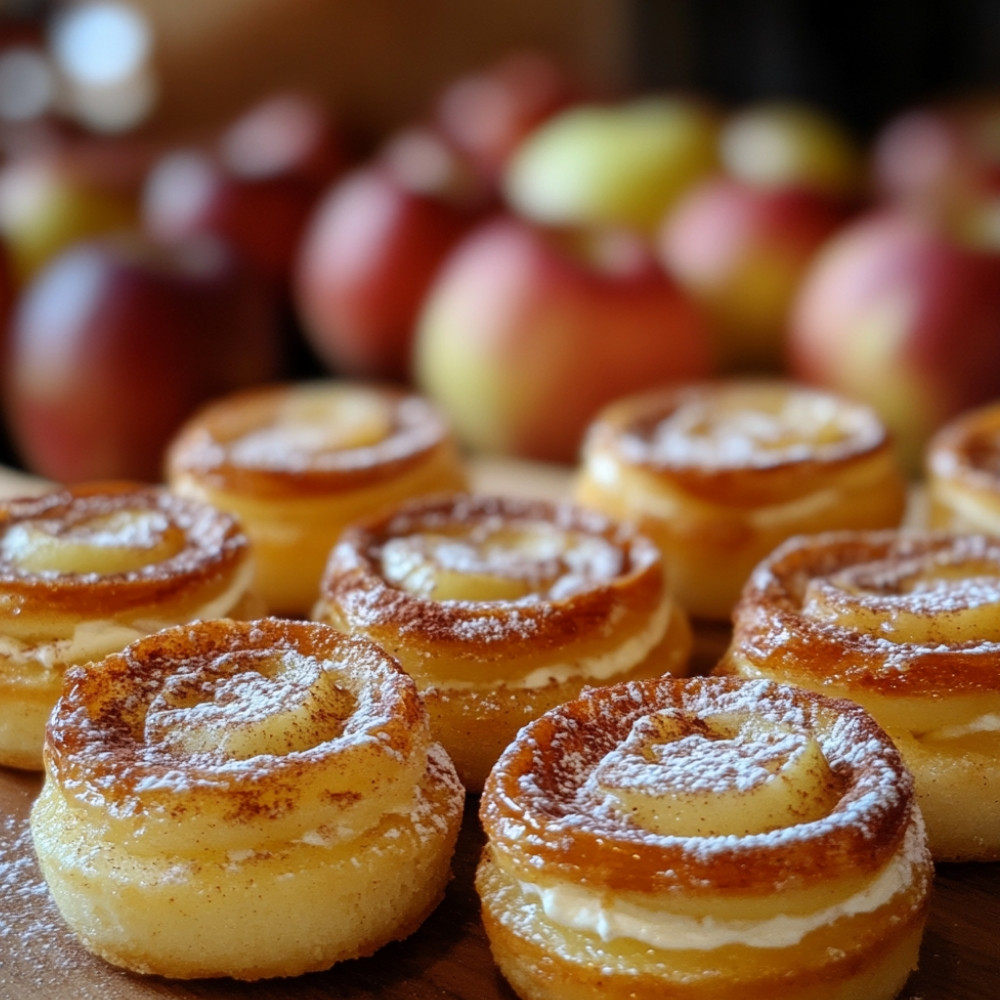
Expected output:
(703, 784)
(106, 549)
(742, 442)
(228, 734)
(481, 578)
(307, 438)
(891, 612)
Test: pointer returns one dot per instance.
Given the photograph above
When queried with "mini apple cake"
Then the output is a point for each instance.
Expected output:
(703, 839)
(244, 799)
(904, 623)
(503, 607)
(85, 571)
(963, 473)
(298, 462)
(719, 473)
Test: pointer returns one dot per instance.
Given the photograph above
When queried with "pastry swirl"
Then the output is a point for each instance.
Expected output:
(904, 623)
(501, 607)
(85, 571)
(703, 837)
(298, 462)
(243, 799)
(720, 473)
(963, 473)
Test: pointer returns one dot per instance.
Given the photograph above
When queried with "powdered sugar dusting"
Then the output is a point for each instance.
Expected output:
(748, 425)
(159, 537)
(541, 786)
(36, 949)
(901, 610)
(480, 569)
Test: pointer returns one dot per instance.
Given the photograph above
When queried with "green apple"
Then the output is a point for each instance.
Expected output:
(790, 144)
(619, 164)
(50, 200)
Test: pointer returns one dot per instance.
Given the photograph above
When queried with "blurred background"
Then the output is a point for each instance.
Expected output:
(207, 139)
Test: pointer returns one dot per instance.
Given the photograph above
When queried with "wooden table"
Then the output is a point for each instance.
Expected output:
(448, 957)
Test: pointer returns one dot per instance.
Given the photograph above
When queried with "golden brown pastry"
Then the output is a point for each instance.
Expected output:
(298, 462)
(84, 571)
(703, 839)
(718, 474)
(963, 473)
(244, 799)
(907, 624)
(500, 608)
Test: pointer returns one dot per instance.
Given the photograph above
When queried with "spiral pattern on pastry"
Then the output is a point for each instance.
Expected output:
(906, 624)
(85, 571)
(703, 838)
(299, 462)
(719, 473)
(244, 799)
(501, 607)
(963, 473)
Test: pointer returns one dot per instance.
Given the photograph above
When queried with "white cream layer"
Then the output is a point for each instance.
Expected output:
(678, 507)
(93, 640)
(581, 910)
(592, 668)
(989, 723)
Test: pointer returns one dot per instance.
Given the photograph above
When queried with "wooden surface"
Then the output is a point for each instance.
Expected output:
(448, 957)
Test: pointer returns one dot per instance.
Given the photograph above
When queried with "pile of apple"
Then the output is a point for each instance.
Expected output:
(523, 254)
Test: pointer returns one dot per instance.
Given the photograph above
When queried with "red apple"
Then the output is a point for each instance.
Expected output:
(896, 313)
(255, 186)
(524, 335)
(742, 250)
(488, 113)
(780, 143)
(925, 150)
(115, 342)
(372, 248)
(7, 287)
(944, 160)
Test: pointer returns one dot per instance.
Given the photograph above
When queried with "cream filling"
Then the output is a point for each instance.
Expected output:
(93, 640)
(593, 668)
(607, 473)
(578, 909)
(970, 509)
(989, 723)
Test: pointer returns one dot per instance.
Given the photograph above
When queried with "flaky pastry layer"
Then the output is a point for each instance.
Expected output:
(703, 838)
(298, 462)
(720, 473)
(501, 608)
(244, 799)
(87, 570)
(904, 623)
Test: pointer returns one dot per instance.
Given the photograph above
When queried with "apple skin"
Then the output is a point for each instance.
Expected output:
(8, 287)
(488, 113)
(742, 250)
(372, 248)
(53, 196)
(896, 313)
(782, 144)
(943, 160)
(621, 164)
(255, 185)
(113, 344)
(523, 338)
